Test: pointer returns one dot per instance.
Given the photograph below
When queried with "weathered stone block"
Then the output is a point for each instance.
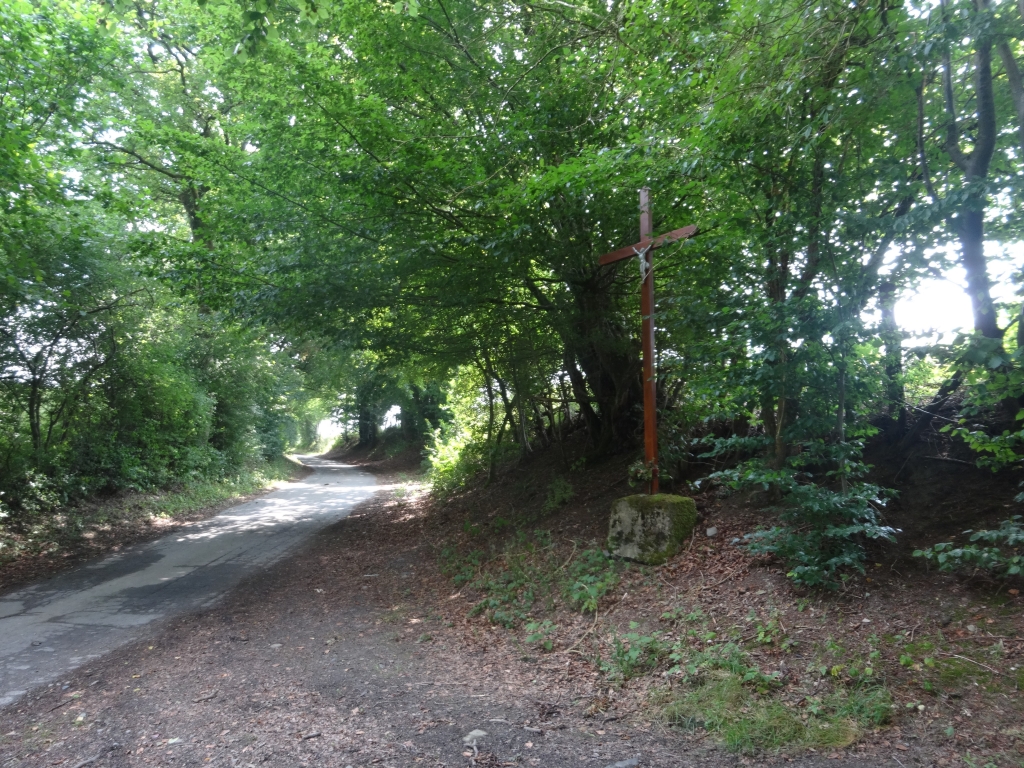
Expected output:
(650, 529)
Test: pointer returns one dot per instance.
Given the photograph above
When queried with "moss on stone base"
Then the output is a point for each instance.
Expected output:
(650, 529)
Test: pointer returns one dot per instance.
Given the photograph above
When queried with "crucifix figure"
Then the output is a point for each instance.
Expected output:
(644, 252)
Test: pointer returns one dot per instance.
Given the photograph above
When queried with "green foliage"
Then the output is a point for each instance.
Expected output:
(527, 577)
(994, 378)
(824, 533)
(167, 397)
(511, 592)
(457, 449)
(722, 657)
(634, 653)
(589, 578)
(560, 493)
(639, 473)
(748, 724)
(453, 459)
(827, 531)
(461, 569)
(540, 633)
(56, 528)
(727, 695)
(1001, 558)
(724, 690)
(415, 220)
(112, 381)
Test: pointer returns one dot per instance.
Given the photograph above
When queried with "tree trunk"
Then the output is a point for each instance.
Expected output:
(35, 421)
(841, 423)
(519, 403)
(368, 428)
(610, 359)
(979, 286)
(971, 220)
(491, 448)
(893, 361)
(582, 395)
(599, 342)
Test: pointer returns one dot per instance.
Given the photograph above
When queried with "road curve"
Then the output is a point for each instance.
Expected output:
(57, 625)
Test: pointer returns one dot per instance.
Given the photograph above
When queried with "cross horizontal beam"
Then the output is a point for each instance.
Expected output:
(631, 250)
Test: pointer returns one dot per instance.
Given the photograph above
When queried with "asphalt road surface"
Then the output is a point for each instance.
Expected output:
(55, 626)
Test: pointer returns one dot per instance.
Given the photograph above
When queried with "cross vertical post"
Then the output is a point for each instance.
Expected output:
(647, 342)
(645, 250)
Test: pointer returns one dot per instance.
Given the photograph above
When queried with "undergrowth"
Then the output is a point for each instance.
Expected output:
(526, 579)
(722, 703)
(716, 682)
(822, 533)
(1001, 558)
(719, 687)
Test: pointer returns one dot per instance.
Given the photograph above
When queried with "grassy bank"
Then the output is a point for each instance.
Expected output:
(84, 530)
(200, 495)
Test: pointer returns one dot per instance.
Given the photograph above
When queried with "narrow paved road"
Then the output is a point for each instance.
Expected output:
(55, 626)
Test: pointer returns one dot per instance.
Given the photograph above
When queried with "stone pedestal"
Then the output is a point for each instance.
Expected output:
(650, 529)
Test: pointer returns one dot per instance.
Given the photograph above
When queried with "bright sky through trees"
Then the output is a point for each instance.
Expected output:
(941, 305)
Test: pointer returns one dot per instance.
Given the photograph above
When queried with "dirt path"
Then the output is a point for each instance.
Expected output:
(56, 625)
(338, 656)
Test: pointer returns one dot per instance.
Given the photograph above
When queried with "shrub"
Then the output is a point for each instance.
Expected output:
(591, 577)
(1000, 558)
(453, 458)
(825, 533)
(560, 492)
(994, 377)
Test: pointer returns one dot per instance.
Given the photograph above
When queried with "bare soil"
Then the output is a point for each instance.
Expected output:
(359, 652)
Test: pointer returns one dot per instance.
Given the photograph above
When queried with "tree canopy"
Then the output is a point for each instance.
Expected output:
(215, 214)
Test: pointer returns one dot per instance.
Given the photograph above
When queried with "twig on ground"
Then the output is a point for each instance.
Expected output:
(571, 556)
(693, 538)
(984, 666)
(724, 579)
(94, 758)
(580, 639)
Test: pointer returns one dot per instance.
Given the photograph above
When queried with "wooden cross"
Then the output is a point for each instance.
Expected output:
(644, 251)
